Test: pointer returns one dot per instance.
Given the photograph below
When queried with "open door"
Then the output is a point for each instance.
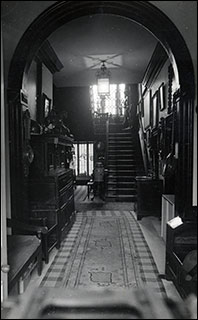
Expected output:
(5, 193)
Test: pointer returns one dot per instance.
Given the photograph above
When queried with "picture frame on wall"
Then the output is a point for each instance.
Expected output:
(139, 108)
(162, 104)
(44, 109)
(142, 107)
(46, 105)
(155, 109)
(148, 137)
(147, 107)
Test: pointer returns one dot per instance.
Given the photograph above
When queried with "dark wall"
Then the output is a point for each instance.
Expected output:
(76, 102)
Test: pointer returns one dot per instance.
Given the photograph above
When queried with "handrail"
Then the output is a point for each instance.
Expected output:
(107, 142)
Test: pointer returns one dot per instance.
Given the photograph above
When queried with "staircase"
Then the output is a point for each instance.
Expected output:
(122, 165)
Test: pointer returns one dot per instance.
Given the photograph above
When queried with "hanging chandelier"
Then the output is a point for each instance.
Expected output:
(103, 80)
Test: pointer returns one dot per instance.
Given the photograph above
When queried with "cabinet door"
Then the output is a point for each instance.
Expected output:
(43, 195)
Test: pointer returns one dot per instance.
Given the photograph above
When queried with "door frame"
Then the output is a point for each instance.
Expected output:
(5, 187)
(141, 12)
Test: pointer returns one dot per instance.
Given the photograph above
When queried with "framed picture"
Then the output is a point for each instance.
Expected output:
(139, 108)
(142, 107)
(155, 110)
(43, 108)
(46, 105)
(148, 136)
(162, 101)
(147, 107)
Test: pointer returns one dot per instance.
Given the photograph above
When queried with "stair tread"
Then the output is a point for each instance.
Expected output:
(121, 170)
(124, 161)
(121, 165)
(120, 138)
(117, 177)
(120, 134)
(124, 145)
(121, 182)
(129, 152)
(121, 196)
(117, 148)
(122, 189)
(120, 141)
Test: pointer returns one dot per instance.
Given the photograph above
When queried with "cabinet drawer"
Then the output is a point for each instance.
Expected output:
(69, 185)
(66, 212)
(42, 195)
(64, 197)
(63, 180)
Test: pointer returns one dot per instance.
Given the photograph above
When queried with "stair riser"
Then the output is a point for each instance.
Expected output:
(122, 173)
(116, 179)
(117, 199)
(121, 163)
(120, 140)
(122, 192)
(121, 146)
(121, 156)
(120, 134)
(119, 167)
(127, 141)
(121, 184)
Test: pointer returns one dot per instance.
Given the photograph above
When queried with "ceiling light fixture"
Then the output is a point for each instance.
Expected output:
(103, 79)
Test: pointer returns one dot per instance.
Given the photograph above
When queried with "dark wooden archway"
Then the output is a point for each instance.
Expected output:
(141, 12)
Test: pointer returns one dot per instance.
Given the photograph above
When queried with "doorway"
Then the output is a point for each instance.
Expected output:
(145, 14)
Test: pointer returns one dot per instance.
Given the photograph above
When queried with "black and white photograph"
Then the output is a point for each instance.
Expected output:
(98, 159)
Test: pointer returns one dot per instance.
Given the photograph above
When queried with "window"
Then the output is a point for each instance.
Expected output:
(113, 104)
(83, 158)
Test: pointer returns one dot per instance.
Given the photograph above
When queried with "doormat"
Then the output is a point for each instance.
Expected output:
(104, 249)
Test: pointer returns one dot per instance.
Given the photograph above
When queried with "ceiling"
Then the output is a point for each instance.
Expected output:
(80, 45)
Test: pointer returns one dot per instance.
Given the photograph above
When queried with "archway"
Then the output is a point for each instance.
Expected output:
(141, 12)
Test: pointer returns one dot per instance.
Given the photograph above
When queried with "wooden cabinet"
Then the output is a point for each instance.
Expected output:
(52, 154)
(181, 245)
(149, 194)
(51, 193)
